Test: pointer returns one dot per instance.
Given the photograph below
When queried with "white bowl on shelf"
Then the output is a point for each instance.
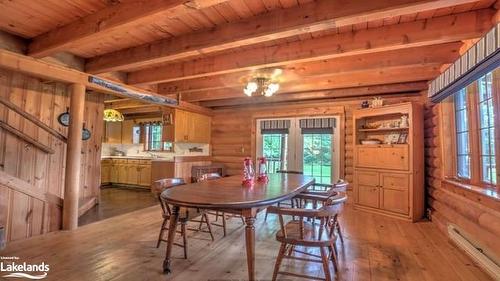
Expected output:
(367, 142)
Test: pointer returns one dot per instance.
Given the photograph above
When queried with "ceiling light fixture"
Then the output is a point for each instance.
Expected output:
(113, 115)
(263, 85)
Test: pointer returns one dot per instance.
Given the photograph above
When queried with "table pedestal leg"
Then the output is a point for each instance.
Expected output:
(172, 226)
(250, 246)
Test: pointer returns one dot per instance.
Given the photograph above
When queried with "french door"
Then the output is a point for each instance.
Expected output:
(306, 144)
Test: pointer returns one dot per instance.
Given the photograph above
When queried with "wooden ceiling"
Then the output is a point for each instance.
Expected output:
(205, 50)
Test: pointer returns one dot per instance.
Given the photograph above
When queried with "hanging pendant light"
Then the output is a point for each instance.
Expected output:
(113, 115)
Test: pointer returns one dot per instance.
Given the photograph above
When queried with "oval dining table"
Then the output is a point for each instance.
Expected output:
(229, 195)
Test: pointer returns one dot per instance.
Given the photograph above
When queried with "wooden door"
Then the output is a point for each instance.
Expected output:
(145, 175)
(122, 172)
(127, 131)
(113, 172)
(395, 192)
(113, 132)
(202, 129)
(368, 188)
(181, 126)
(133, 172)
(105, 171)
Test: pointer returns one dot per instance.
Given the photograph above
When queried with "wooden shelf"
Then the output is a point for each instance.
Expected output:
(383, 129)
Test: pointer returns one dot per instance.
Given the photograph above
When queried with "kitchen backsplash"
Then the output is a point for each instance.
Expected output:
(137, 150)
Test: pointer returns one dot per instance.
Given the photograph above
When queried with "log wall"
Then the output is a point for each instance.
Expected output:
(31, 180)
(477, 215)
(233, 140)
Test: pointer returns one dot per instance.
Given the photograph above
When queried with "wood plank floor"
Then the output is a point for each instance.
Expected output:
(117, 201)
(123, 248)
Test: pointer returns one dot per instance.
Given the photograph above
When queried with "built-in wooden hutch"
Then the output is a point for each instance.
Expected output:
(388, 160)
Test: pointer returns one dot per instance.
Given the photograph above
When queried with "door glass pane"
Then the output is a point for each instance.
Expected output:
(274, 148)
(317, 157)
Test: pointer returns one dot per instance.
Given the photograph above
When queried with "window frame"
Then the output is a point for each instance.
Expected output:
(450, 158)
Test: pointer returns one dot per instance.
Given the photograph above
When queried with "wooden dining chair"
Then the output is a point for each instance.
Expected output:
(290, 203)
(217, 214)
(306, 234)
(333, 196)
(185, 214)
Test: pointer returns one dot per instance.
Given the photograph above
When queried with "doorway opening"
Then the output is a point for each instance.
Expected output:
(307, 144)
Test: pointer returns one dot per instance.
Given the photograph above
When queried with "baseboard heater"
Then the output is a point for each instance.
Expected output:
(474, 251)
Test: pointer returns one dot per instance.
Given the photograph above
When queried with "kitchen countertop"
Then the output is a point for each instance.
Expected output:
(184, 158)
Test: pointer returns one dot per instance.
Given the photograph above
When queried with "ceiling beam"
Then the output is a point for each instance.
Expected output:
(412, 87)
(389, 75)
(312, 17)
(119, 17)
(45, 70)
(291, 100)
(441, 53)
(405, 35)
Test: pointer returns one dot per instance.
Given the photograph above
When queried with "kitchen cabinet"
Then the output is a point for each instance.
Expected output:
(126, 172)
(187, 127)
(105, 172)
(113, 132)
(127, 131)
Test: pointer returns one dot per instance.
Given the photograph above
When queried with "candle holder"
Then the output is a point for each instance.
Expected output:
(262, 174)
(248, 173)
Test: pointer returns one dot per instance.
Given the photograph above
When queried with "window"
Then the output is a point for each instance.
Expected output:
(153, 136)
(462, 135)
(487, 129)
(473, 124)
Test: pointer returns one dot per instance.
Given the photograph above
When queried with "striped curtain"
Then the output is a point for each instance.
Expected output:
(480, 59)
(317, 125)
(274, 126)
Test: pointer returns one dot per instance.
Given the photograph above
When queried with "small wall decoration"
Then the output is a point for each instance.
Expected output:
(86, 134)
(377, 102)
(63, 118)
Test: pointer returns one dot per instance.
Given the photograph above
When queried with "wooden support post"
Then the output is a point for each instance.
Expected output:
(73, 156)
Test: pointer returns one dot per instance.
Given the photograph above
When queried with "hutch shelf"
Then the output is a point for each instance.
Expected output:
(388, 160)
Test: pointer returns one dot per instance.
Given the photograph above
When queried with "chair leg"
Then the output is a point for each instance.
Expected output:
(224, 223)
(281, 254)
(161, 232)
(335, 260)
(208, 225)
(184, 239)
(326, 268)
(339, 231)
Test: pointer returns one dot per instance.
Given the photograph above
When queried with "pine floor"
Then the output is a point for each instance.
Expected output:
(117, 201)
(123, 248)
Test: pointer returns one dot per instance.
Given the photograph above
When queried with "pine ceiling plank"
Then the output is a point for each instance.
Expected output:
(406, 35)
(315, 16)
(119, 17)
(370, 77)
(436, 54)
